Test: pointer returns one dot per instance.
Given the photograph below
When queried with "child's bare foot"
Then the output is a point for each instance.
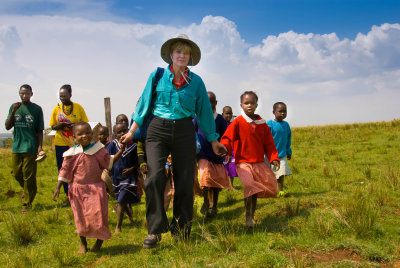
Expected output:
(117, 230)
(250, 222)
(97, 246)
(82, 250)
(204, 209)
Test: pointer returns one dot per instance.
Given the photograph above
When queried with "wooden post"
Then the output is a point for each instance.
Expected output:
(107, 108)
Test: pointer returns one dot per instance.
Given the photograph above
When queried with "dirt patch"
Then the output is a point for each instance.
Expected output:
(335, 256)
(10, 193)
(330, 257)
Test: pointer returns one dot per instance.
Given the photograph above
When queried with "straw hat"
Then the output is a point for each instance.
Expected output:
(166, 47)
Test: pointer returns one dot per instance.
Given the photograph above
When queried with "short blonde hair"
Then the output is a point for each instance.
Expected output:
(185, 47)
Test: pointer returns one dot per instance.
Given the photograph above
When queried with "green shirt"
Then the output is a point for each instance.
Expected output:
(28, 121)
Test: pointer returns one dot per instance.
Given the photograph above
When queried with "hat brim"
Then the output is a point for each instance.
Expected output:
(194, 56)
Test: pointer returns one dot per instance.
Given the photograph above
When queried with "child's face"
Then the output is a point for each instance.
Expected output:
(102, 135)
(280, 112)
(120, 130)
(227, 114)
(25, 95)
(213, 101)
(83, 135)
(122, 119)
(249, 104)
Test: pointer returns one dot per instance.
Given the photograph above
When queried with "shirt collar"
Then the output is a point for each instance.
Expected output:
(78, 149)
(259, 121)
(182, 81)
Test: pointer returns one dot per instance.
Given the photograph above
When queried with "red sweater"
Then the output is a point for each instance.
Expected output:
(250, 141)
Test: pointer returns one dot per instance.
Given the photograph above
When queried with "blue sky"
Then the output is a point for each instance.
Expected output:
(319, 56)
(254, 18)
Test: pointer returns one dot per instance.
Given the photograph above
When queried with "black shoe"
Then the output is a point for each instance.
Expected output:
(151, 240)
(66, 204)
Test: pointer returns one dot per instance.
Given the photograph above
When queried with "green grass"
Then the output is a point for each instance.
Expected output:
(342, 210)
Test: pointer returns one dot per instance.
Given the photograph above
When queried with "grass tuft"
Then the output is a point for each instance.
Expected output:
(361, 213)
(21, 229)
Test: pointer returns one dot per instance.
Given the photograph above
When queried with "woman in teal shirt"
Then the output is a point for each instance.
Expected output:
(180, 95)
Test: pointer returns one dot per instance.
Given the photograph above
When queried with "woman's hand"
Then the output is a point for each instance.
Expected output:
(276, 164)
(129, 136)
(219, 149)
(126, 138)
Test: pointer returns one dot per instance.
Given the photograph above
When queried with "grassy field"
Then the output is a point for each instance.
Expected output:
(342, 210)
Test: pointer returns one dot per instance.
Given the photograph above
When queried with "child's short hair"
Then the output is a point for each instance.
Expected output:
(121, 115)
(104, 127)
(28, 87)
(117, 124)
(68, 88)
(276, 105)
(81, 123)
(226, 107)
(249, 93)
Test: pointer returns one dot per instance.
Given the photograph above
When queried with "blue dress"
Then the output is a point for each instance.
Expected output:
(125, 188)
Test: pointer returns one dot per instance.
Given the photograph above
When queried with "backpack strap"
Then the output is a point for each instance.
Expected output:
(159, 74)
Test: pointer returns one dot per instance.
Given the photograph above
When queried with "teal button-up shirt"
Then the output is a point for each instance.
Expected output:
(172, 103)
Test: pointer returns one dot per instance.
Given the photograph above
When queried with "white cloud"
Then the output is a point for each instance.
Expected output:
(319, 76)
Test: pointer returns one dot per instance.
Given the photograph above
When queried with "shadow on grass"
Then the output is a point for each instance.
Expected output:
(119, 249)
(302, 194)
(278, 222)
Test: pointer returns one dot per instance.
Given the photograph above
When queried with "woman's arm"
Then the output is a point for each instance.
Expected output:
(129, 136)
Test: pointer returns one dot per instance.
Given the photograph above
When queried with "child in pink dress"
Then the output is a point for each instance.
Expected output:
(82, 168)
(250, 138)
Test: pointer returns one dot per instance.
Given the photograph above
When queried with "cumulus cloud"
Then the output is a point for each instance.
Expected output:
(319, 76)
(318, 58)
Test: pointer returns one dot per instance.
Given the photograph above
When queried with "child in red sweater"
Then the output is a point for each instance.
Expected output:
(250, 138)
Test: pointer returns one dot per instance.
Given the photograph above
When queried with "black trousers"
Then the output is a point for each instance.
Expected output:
(175, 137)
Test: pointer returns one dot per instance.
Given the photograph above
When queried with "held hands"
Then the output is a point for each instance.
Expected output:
(276, 164)
(219, 149)
(122, 146)
(126, 138)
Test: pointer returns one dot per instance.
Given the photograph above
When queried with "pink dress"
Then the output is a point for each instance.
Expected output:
(213, 175)
(87, 192)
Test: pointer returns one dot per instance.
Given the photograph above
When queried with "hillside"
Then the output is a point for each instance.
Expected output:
(342, 210)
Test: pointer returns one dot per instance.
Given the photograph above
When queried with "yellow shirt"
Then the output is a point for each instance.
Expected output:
(64, 137)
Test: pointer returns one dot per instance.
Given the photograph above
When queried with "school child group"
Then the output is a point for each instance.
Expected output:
(247, 147)
(248, 139)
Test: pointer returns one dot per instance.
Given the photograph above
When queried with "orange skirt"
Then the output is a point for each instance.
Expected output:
(213, 175)
(257, 178)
